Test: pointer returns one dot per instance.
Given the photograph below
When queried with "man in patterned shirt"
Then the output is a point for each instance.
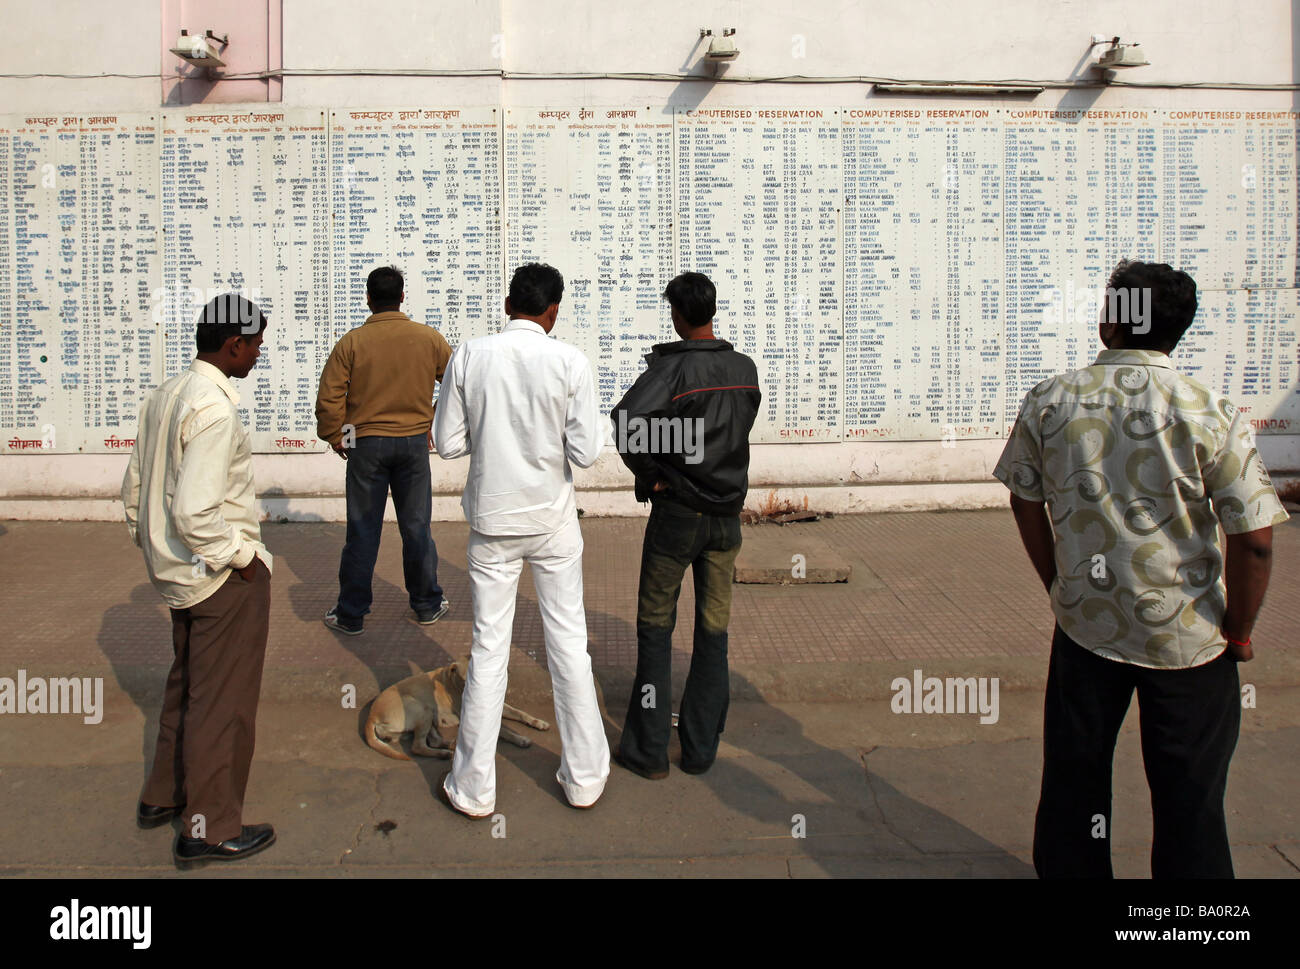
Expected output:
(1137, 466)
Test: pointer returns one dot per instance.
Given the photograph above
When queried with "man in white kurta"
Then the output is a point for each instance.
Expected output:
(523, 407)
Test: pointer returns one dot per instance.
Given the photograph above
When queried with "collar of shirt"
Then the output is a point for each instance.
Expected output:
(205, 369)
(518, 324)
(1133, 357)
(387, 316)
(681, 346)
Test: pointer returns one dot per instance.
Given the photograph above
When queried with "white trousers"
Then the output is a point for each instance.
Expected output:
(494, 566)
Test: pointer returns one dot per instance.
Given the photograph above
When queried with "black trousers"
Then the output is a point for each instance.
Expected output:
(1189, 720)
(678, 538)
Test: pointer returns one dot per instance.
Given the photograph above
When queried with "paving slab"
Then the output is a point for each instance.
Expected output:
(799, 790)
(817, 775)
(794, 555)
(953, 585)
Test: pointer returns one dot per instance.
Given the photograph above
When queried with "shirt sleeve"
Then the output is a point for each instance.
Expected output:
(1238, 483)
(1021, 466)
(442, 353)
(131, 492)
(201, 488)
(450, 426)
(444, 356)
(332, 395)
(582, 437)
(647, 398)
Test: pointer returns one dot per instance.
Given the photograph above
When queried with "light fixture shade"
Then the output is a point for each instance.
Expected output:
(1122, 55)
(723, 49)
(197, 50)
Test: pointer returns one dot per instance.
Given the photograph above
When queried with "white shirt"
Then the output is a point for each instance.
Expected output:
(188, 490)
(524, 407)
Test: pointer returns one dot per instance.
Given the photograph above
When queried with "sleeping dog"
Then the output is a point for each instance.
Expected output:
(422, 703)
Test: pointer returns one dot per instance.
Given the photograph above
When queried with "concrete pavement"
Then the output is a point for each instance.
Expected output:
(816, 775)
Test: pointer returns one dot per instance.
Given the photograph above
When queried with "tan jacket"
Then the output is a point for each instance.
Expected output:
(188, 489)
(380, 379)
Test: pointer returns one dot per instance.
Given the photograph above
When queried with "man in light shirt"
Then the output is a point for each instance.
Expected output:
(524, 408)
(1120, 475)
(190, 507)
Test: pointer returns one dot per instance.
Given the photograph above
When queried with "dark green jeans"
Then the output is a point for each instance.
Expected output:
(677, 538)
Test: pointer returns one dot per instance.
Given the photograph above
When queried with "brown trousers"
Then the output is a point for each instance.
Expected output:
(209, 716)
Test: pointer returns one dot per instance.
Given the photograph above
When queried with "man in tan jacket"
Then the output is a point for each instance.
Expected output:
(375, 409)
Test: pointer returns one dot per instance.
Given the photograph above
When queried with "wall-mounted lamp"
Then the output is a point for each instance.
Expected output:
(1119, 55)
(721, 48)
(201, 51)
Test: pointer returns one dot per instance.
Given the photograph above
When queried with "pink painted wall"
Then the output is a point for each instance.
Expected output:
(254, 30)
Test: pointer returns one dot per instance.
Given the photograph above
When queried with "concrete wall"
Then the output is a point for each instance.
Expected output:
(954, 40)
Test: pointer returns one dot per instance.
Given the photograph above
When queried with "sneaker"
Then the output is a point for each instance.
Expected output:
(334, 622)
(429, 616)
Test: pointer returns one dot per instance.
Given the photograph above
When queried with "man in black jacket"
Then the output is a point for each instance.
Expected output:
(683, 430)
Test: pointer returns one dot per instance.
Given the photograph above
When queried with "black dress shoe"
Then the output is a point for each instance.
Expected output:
(151, 816)
(650, 775)
(252, 839)
(692, 769)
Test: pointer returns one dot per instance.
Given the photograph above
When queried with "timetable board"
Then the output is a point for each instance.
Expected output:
(419, 187)
(79, 258)
(923, 269)
(759, 197)
(245, 209)
(1246, 345)
(1081, 192)
(896, 272)
(589, 190)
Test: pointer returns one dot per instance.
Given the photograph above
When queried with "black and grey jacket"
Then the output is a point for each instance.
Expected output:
(686, 421)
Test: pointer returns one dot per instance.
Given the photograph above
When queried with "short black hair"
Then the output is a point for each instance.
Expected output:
(693, 296)
(384, 286)
(225, 316)
(1152, 302)
(535, 288)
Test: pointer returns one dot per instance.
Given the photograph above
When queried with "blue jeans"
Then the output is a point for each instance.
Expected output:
(374, 465)
(678, 538)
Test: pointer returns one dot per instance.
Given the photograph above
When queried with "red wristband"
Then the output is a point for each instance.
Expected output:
(1235, 642)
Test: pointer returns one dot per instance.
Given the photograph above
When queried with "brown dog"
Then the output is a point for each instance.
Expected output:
(422, 703)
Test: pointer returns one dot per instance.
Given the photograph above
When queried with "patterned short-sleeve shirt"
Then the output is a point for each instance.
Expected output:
(1138, 465)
